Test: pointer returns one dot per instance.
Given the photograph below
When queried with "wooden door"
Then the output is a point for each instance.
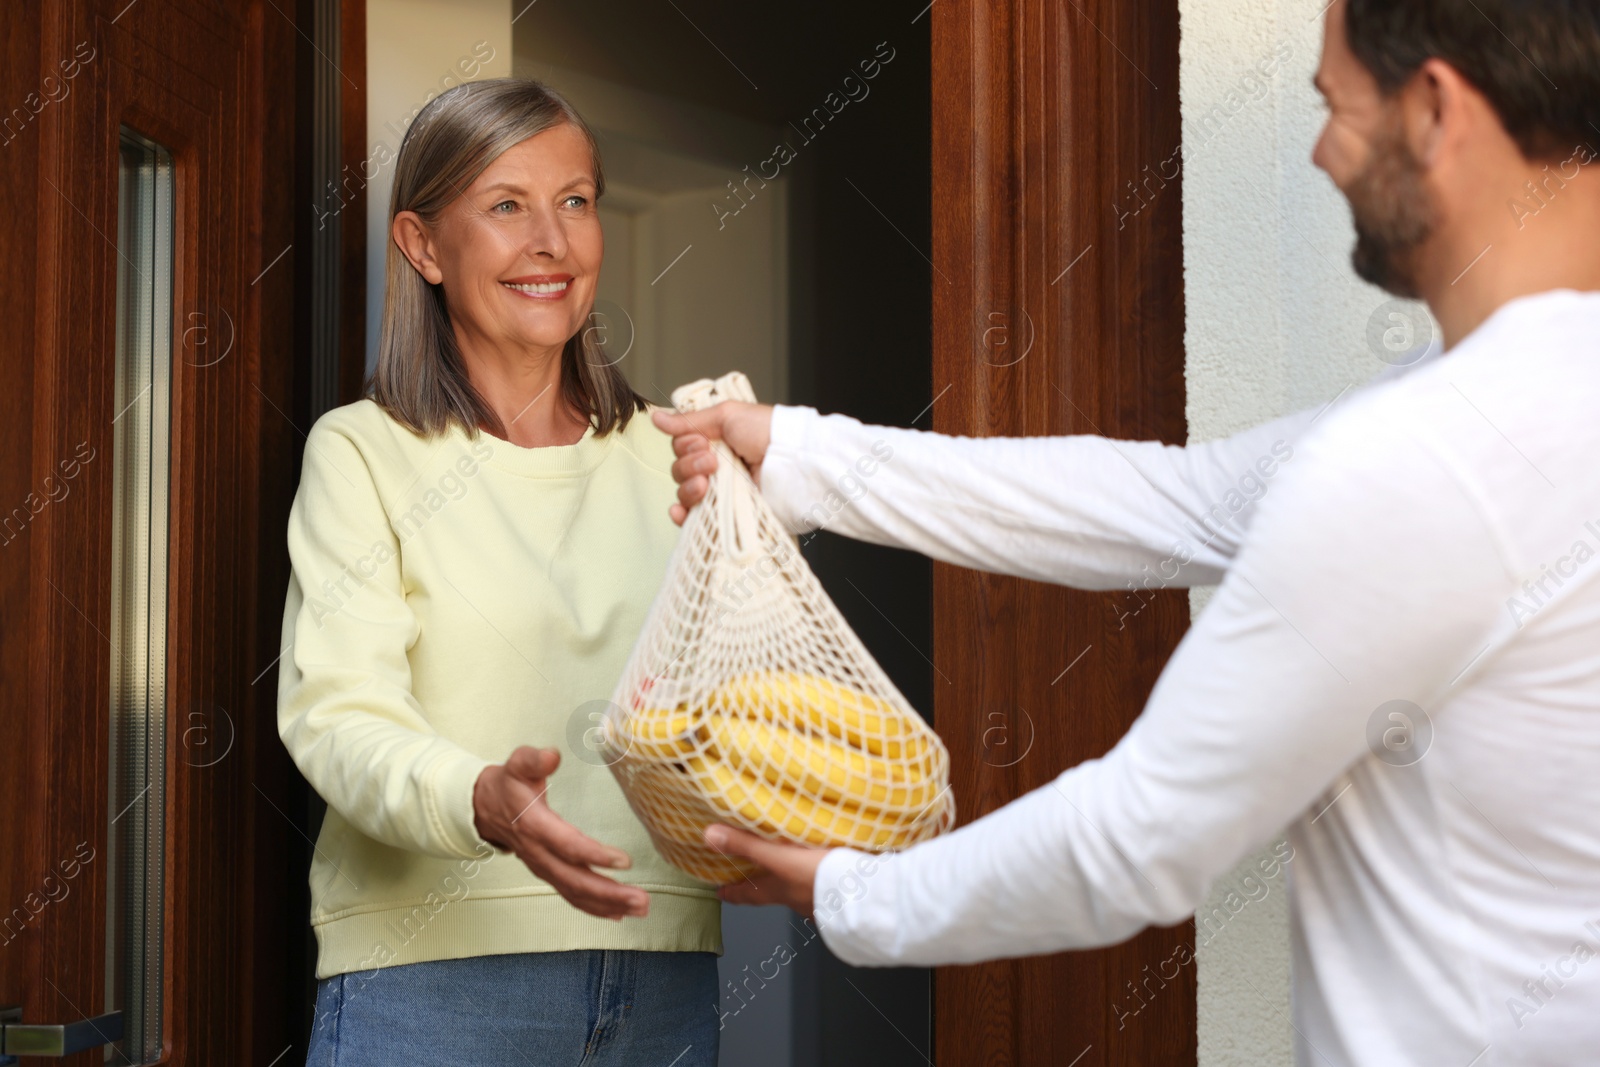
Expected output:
(1058, 309)
(211, 88)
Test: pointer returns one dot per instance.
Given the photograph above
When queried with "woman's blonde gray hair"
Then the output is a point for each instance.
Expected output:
(420, 379)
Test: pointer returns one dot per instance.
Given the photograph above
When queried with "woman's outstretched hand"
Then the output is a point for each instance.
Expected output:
(747, 428)
(508, 803)
(787, 875)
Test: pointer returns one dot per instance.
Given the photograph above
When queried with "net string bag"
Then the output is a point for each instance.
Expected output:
(748, 700)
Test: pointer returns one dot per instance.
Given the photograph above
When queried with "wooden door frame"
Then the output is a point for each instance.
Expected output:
(215, 83)
(1058, 309)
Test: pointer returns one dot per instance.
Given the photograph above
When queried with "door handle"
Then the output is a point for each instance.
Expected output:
(18, 1038)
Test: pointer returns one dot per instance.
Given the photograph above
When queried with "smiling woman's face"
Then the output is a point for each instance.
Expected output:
(519, 251)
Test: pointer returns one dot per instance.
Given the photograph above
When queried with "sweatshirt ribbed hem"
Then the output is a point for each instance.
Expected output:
(528, 921)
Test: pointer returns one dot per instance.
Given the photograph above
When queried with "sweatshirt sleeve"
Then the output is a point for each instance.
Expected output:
(1090, 512)
(1371, 575)
(345, 707)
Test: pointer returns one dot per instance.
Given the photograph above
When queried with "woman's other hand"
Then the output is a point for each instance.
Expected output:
(787, 875)
(747, 429)
(509, 805)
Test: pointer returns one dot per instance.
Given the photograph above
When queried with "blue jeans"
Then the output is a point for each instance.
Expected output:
(591, 1008)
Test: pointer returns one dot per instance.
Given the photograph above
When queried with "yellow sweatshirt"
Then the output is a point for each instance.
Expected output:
(452, 599)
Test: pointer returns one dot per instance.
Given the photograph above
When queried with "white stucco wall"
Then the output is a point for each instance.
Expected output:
(416, 49)
(1277, 321)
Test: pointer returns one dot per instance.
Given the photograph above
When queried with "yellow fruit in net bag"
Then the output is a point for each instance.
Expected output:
(788, 756)
(821, 767)
(662, 734)
(855, 718)
(785, 812)
(748, 699)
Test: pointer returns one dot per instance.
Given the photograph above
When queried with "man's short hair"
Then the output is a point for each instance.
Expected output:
(1537, 61)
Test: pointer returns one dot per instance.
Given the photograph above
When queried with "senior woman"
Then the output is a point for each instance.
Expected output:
(474, 549)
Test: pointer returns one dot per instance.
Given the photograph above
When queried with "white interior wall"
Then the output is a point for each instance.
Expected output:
(676, 126)
(416, 49)
(697, 274)
(1276, 322)
(722, 306)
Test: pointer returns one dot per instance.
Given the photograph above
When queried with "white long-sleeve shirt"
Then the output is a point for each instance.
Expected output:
(1431, 539)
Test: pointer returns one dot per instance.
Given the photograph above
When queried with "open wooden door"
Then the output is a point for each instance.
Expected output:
(1058, 308)
(152, 895)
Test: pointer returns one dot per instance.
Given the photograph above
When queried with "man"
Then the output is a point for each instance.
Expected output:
(1402, 662)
